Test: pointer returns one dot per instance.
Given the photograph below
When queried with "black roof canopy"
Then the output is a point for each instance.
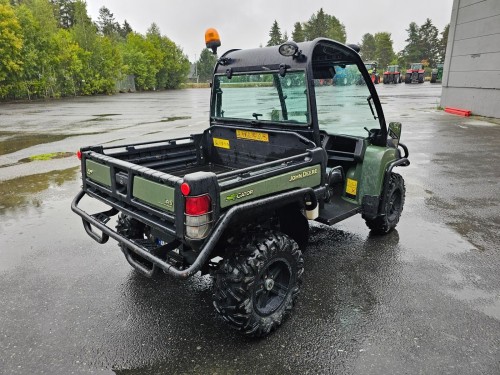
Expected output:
(314, 54)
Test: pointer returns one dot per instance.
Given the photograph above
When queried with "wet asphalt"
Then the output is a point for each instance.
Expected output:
(424, 299)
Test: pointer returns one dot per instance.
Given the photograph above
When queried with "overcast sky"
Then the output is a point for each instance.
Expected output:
(247, 24)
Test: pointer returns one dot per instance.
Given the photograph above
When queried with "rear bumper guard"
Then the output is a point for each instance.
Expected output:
(99, 221)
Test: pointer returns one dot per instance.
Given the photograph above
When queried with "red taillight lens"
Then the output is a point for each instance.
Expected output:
(79, 155)
(198, 205)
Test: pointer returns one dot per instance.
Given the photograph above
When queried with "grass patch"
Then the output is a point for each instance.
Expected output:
(49, 156)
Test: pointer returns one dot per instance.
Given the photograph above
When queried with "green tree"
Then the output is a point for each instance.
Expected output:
(323, 25)
(136, 61)
(69, 66)
(413, 49)
(65, 12)
(298, 33)
(443, 43)
(275, 37)
(125, 29)
(173, 65)
(336, 30)
(106, 23)
(429, 42)
(39, 25)
(11, 44)
(368, 48)
(205, 65)
(384, 50)
(100, 55)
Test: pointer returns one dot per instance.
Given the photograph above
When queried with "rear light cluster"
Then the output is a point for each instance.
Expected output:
(198, 213)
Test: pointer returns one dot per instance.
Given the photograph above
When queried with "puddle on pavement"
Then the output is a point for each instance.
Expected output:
(98, 119)
(22, 191)
(107, 114)
(13, 142)
(175, 118)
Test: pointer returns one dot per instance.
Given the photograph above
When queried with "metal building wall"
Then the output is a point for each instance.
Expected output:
(471, 78)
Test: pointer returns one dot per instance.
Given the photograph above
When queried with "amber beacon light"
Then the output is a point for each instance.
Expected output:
(212, 40)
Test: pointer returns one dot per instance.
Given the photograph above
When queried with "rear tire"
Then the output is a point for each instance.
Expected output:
(391, 212)
(257, 285)
(433, 78)
(134, 230)
(408, 78)
(129, 227)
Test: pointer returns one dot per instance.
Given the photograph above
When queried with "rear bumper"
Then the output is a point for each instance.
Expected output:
(99, 221)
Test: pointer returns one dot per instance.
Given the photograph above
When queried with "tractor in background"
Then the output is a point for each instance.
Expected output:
(371, 66)
(415, 74)
(437, 73)
(392, 74)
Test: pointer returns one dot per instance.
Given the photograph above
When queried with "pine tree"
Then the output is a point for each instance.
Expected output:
(274, 35)
(368, 47)
(443, 43)
(429, 42)
(384, 51)
(298, 33)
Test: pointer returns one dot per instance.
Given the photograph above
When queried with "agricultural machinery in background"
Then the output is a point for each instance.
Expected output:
(392, 74)
(371, 66)
(437, 73)
(415, 74)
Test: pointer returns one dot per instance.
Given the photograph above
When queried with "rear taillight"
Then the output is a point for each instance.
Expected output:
(198, 205)
(79, 155)
(198, 212)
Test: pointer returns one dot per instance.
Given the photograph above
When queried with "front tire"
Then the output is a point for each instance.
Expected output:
(393, 207)
(257, 285)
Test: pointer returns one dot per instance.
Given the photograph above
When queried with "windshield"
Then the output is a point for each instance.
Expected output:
(416, 66)
(262, 97)
(342, 103)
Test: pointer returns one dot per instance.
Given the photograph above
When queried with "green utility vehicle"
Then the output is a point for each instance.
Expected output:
(235, 200)
(437, 73)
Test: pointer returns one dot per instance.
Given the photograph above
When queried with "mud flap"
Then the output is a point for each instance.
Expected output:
(369, 206)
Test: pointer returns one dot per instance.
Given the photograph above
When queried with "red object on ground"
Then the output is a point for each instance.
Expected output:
(458, 111)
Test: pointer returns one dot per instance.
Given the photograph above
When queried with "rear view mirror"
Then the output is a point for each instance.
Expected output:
(395, 131)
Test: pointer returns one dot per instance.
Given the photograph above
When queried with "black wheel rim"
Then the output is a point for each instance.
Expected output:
(394, 206)
(272, 287)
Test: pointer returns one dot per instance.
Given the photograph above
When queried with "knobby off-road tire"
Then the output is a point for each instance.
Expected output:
(134, 230)
(393, 207)
(257, 285)
(129, 228)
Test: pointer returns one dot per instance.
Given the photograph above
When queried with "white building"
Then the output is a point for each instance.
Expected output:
(471, 78)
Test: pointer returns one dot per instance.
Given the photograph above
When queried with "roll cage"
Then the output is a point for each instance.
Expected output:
(315, 57)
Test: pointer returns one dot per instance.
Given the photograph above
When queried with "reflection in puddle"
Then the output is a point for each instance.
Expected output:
(22, 191)
(14, 141)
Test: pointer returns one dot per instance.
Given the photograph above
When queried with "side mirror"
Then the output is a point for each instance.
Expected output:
(395, 132)
(212, 40)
